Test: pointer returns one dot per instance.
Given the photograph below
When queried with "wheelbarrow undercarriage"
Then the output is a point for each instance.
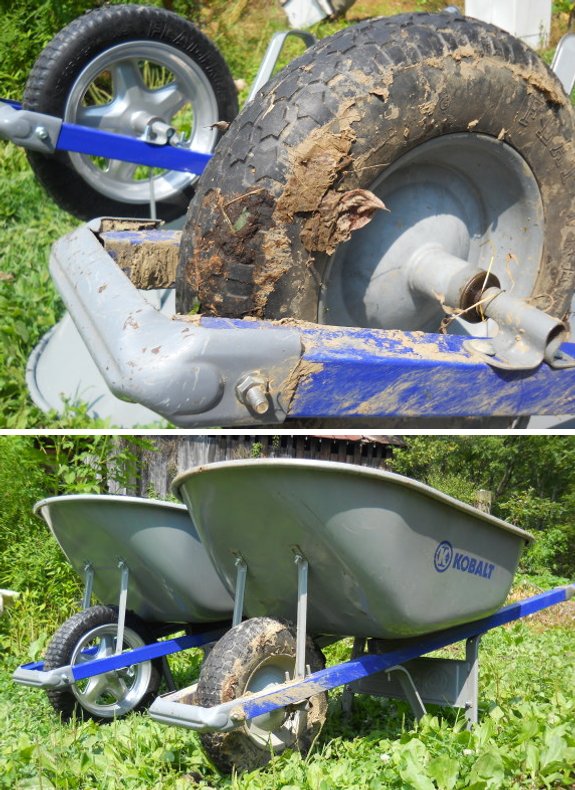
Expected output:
(199, 371)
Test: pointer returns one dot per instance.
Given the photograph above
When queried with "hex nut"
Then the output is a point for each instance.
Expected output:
(252, 392)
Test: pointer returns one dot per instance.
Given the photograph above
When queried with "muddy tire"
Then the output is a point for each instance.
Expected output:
(459, 128)
(102, 698)
(107, 70)
(249, 657)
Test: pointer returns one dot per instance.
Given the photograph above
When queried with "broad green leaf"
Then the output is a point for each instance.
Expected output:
(444, 770)
(489, 769)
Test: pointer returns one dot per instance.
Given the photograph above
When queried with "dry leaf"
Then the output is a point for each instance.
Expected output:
(338, 215)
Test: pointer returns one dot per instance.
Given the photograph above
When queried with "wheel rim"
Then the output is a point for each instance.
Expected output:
(119, 91)
(474, 195)
(114, 693)
(277, 728)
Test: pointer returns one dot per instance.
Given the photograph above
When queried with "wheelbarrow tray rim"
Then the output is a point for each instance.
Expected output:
(350, 470)
(108, 498)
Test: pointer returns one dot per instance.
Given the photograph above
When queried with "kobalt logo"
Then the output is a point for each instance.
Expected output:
(446, 557)
(443, 556)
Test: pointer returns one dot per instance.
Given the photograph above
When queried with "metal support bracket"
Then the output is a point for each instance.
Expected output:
(122, 602)
(564, 62)
(182, 370)
(241, 573)
(88, 584)
(301, 621)
(472, 682)
(409, 690)
(526, 336)
(429, 681)
(272, 54)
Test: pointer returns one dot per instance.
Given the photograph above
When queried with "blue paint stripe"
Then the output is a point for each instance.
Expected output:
(361, 667)
(360, 373)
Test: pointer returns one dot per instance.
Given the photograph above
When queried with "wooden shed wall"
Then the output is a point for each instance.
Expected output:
(175, 454)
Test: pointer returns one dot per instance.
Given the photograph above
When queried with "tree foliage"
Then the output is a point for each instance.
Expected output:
(531, 479)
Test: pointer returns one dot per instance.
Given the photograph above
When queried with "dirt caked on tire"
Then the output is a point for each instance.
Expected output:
(458, 128)
(106, 697)
(113, 69)
(249, 657)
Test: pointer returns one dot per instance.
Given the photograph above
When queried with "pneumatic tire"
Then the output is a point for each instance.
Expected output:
(91, 634)
(250, 656)
(459, 128)
(108, 69)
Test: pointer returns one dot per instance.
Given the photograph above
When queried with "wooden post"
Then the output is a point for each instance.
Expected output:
(483, 500)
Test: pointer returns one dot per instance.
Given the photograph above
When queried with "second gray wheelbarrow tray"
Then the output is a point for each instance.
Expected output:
(337, 550)
(104, 661)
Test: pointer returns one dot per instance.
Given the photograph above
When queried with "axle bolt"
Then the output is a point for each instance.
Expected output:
(252, 392)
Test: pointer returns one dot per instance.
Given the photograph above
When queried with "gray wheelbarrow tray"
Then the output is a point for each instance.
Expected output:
(171, 578)
(388, 557)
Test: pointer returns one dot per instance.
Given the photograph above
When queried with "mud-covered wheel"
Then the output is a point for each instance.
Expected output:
(115, 69)
(255, 654)
(458, 128)
(89, 635)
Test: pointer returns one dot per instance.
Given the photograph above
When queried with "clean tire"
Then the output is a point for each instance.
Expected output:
(249, 657)
(110, 696)
(112, 69)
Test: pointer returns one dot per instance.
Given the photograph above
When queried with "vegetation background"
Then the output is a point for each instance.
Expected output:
(30, 223)
(525, 736)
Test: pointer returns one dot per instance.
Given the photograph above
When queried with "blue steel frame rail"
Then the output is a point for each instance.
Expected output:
(189, 372)
(33, 674)
(349, 372)
(232, 714)
(96, 142)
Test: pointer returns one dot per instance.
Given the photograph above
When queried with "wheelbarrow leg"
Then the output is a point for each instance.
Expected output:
(348, 694)
(167, 673)
(472, 659)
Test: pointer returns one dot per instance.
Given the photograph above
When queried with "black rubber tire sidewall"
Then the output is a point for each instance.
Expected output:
(390, 72)
(63, 644)
(58, 67)
(224, 675)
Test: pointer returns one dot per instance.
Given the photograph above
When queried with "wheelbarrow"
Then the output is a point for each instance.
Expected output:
(107, 660)
(453, 303)
(315, 551)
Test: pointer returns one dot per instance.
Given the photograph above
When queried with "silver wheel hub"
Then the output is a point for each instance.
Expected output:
(125, 89)
(278, 727)
(472, 195)
(112, 693)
